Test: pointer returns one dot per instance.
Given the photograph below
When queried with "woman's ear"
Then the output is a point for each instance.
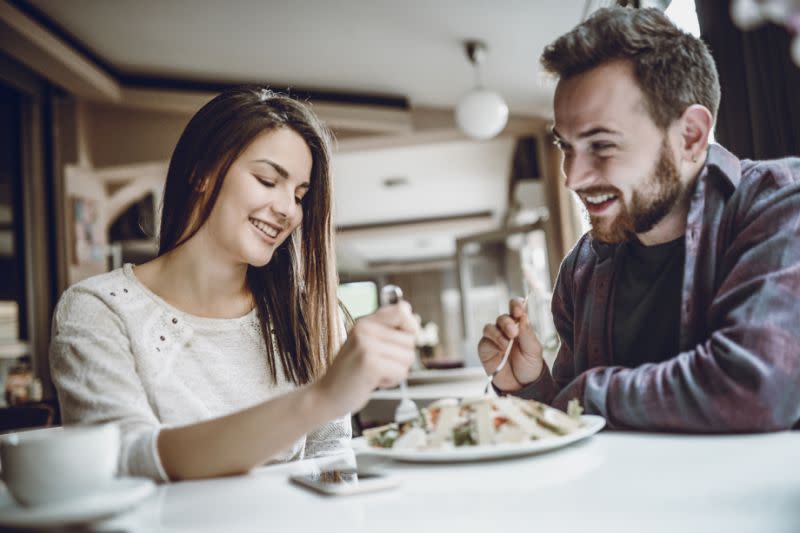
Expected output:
(696, 125)
(202, 186)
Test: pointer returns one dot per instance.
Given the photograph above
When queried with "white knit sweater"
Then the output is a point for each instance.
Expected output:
(121, 354)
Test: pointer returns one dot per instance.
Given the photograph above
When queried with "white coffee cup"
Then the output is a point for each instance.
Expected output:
(52, 465)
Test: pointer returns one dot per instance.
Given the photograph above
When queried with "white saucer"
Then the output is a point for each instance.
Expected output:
(118, 496)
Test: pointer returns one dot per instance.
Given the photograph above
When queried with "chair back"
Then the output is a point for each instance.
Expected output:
(25, 416)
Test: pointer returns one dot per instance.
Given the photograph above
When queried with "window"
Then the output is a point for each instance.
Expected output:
(359, 297)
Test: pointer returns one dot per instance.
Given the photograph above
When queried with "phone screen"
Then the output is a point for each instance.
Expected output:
(344, 481)
(343, 476)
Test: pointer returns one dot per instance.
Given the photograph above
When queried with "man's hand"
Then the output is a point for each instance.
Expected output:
(525, 362)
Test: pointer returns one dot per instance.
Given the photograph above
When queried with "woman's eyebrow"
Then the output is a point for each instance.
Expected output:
(279, 169)
(282, 171)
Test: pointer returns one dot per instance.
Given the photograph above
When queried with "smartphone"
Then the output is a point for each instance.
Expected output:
(345, 482)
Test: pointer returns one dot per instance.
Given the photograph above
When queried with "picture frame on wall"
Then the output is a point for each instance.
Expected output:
(87, 247)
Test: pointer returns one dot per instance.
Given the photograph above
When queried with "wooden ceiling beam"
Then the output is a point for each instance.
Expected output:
(28, 42)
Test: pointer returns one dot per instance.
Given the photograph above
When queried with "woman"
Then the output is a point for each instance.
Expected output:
(175, 350)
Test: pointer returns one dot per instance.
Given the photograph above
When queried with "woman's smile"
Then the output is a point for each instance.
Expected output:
(265, 229)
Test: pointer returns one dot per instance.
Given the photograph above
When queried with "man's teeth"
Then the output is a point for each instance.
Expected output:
(269, 230)
(600, 198)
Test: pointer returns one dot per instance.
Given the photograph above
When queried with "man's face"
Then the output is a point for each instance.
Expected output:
(616, 159)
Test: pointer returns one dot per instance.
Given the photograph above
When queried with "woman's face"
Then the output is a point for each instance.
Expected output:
(260, 201)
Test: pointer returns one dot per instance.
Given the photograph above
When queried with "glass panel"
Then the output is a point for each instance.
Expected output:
(359, 297)
(12, 294)
(496, 266)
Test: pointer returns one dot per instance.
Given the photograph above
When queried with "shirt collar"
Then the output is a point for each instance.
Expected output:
(603, 250)
(728, 165)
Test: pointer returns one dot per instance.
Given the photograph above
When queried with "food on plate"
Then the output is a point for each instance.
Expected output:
(479, 421)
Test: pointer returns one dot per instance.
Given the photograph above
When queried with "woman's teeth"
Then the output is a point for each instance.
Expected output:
(268, 230)
(599, 198)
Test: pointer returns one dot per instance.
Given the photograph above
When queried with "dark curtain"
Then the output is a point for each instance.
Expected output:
(759, 115)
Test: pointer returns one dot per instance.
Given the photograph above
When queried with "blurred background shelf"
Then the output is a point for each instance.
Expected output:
(14, 350)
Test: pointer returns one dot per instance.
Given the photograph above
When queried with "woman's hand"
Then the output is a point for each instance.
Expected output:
(378, 353)
(525, 362)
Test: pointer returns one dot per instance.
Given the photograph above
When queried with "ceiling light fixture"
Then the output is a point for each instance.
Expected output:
(481, 113)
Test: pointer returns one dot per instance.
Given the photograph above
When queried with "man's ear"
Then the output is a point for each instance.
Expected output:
(696, 123)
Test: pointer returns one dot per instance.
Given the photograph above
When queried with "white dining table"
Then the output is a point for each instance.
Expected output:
(611, 482)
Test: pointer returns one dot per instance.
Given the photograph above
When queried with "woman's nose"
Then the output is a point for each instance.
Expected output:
(283, 204)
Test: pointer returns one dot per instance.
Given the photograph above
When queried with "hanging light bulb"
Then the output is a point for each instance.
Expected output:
(751, 14)
(481, 113)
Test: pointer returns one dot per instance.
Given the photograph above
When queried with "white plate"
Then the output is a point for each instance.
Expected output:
(434, 375)
(120, 495)
(592, 424)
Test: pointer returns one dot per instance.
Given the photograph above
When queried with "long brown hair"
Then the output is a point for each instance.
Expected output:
(673, 68)
(295, 292)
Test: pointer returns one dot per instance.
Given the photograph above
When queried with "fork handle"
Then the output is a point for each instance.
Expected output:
(504, 360)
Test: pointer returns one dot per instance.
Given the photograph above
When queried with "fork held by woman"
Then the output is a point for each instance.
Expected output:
(406, 409)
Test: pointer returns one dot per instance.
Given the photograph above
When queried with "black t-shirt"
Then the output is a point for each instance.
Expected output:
(647, 300)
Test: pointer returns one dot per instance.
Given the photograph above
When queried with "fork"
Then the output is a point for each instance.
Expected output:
(504, 360)
(406, 410)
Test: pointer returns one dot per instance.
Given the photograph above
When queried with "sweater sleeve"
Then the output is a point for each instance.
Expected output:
(331, 438)
(95, 376)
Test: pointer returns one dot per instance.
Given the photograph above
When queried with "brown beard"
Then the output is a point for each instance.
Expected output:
(650, 203)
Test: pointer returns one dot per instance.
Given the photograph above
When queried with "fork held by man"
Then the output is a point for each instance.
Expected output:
(512, 332)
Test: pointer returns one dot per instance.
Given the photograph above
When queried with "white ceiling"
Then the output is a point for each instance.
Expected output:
(406, 48)
(409, 48)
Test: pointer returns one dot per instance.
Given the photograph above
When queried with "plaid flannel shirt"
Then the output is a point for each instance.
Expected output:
(738, 369)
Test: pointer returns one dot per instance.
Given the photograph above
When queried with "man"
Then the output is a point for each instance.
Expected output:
(679, 310)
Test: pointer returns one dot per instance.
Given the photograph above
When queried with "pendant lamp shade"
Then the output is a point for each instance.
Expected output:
(481, 113)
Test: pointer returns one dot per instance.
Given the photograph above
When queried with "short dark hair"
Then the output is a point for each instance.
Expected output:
(672, 68)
